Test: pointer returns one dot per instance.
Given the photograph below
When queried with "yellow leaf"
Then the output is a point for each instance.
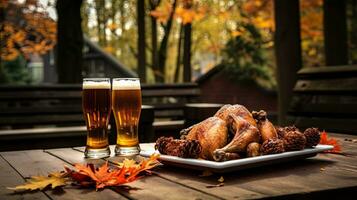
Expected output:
(112, 26)
(221, 179)
(162, 12)
(41, 182)
(109, 49)
(19, 36)
(236, 33)
(127, 163)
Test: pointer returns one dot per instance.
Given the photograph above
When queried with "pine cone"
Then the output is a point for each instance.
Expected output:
(283, 130)
(312, 136)
(294, 140)
(280, 131)
(291, 128)
(272, 146)
(180, 148)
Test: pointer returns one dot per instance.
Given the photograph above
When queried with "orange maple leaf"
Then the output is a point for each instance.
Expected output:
(162, 12)
(125, 172)
(330, 141)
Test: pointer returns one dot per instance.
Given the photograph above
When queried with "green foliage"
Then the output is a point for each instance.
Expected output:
(14, 72)
(245, 58)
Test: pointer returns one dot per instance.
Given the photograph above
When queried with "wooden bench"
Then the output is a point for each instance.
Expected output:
(326, 97)
(50, 116)
(37, 116)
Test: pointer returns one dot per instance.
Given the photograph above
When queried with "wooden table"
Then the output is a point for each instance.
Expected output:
(326, 175)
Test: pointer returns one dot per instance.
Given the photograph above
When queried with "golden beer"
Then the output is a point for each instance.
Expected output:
(96, 105)
(126, 104)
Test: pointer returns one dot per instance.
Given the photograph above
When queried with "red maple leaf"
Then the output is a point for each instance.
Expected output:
(104, 176)
(330, 141)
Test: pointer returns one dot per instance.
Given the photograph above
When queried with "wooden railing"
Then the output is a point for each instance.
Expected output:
(326, 97)
(24, 110)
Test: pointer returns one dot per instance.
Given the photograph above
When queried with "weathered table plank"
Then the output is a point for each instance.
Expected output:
(326, 175)
(10, 178)
(37, 162)
(151, 187)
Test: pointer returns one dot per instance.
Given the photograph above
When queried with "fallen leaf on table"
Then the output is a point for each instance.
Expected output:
(103, 176)
(55, 179)
(330, 141)
(89, 175)
(206, 173)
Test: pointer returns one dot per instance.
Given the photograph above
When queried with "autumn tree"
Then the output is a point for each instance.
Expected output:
(212, 23)
(26, 29)
(119, 25)
(165, 14)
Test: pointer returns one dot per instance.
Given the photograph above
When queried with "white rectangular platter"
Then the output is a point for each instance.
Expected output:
(238, 164)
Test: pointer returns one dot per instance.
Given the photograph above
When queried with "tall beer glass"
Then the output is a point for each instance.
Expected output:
(126, 98)
(96, 105)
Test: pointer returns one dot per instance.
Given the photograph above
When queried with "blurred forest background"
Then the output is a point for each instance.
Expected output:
(235, 34)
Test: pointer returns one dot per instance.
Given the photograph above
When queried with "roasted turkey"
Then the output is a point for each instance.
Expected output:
(211, 133)
(237, 110)
(245, 134)
(233, 132)
(266, 128)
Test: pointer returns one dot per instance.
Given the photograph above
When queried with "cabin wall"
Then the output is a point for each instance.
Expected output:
(218, 88)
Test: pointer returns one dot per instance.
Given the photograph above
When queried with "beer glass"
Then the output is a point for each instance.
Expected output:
(126, 98)
(96, 105)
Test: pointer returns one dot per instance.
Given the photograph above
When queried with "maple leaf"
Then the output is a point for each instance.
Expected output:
(104, 176)
(162, 12)
(133, 170)
(186, 15)
(330, 141)
(55, 179)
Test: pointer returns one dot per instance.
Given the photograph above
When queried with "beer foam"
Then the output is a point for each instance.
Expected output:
(96, 85)
(126, 85)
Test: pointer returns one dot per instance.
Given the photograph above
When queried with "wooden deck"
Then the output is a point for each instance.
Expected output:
(326, 175)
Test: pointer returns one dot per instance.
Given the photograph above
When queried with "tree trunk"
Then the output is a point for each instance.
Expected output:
(335, 32)
(187, 53)
(178, 61)
(69, 41)
(154, 58)
(163, 45)
(141, 40)
(287, 50)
